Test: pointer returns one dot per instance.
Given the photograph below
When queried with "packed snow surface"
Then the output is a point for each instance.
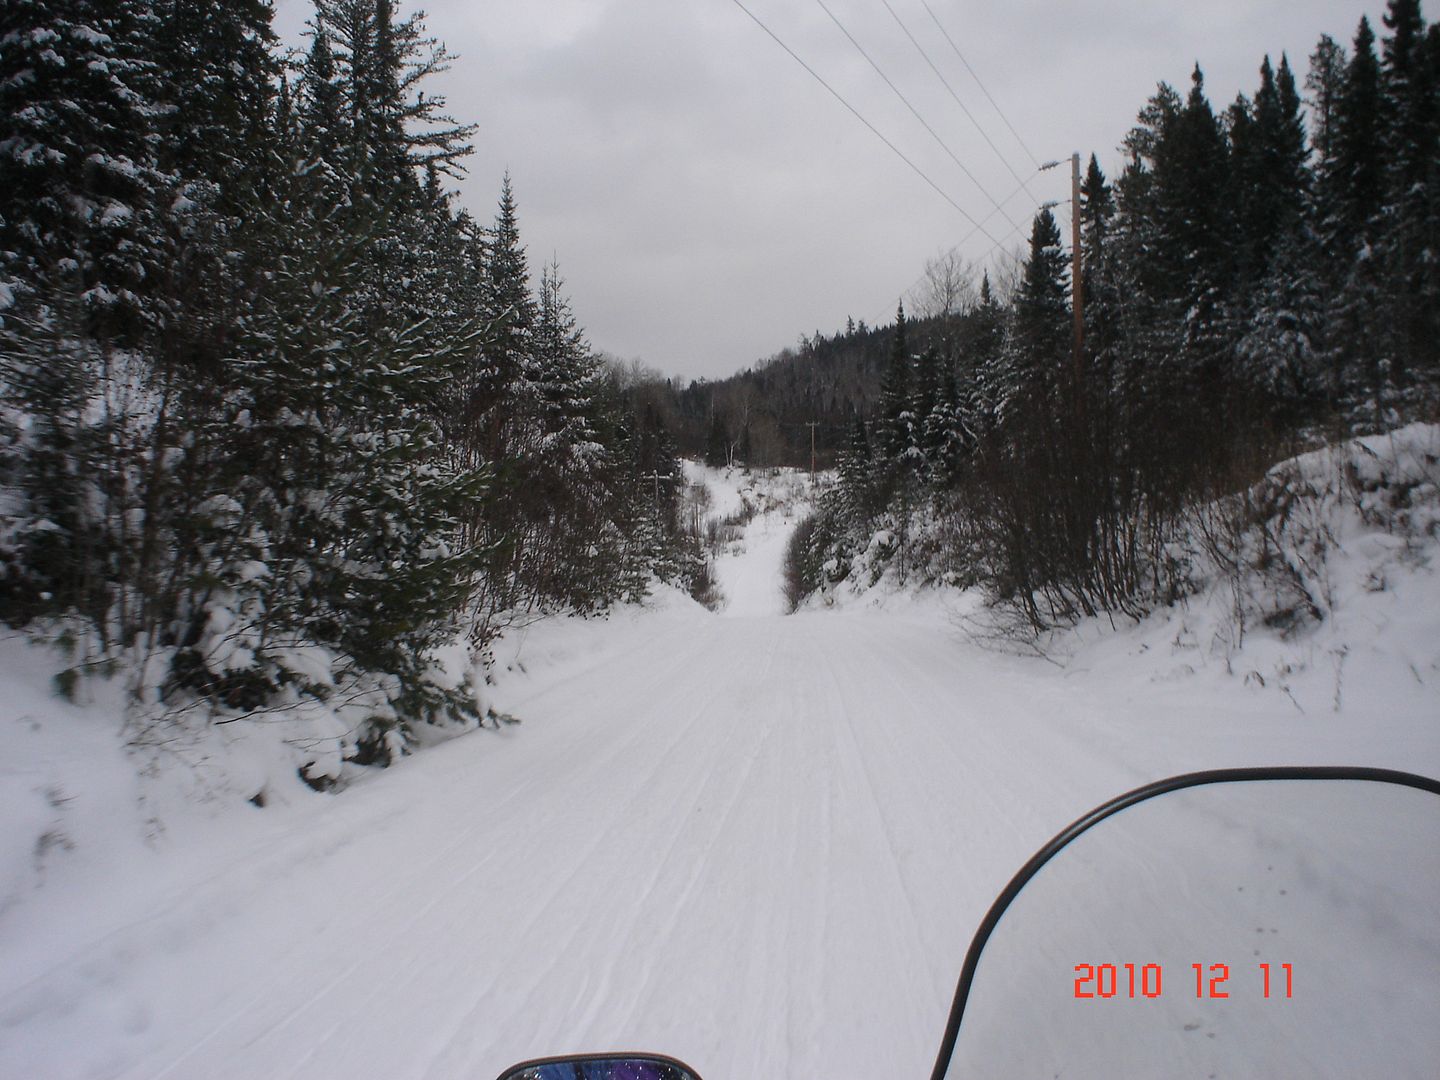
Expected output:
(759, 843)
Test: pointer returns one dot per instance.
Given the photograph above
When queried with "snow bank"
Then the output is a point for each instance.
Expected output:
(1319, 583)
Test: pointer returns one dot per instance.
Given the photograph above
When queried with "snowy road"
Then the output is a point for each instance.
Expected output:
(759, 843)
(750, 842)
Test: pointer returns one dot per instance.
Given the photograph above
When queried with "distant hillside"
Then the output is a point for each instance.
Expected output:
(761, 415)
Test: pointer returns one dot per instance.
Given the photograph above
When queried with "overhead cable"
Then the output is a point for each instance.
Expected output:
(914, 112)
(946, 83)
(854, 112)
(979, 82)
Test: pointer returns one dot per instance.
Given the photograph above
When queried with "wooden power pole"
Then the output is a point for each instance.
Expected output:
(656, 476)
(812, 425)
(1077, 280)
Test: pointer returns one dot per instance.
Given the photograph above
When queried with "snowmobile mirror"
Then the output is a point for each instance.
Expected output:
(602, 1067)
(1238, 928)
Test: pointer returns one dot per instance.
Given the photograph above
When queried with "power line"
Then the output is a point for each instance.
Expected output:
(874, 130)
(915, 112)
(979, 83)
(946, 83)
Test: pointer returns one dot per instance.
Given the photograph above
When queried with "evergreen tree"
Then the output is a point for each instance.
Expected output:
(980, 393)
(928, 407)
(1357, 175)
(1407, 98)
(1102, 301)
(894, 436)
(221, 75)
(1136, 192)
(394, 127)
(1268, 172)
(85, 199)
(1410, 110)
(1326, 85)
(1035, 350)
(947, 435)
(321, 109)
(1191, 253)
(856, 468)
(508, 304)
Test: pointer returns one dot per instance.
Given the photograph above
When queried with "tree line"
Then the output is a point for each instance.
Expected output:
(279, 418)
(1253, 283)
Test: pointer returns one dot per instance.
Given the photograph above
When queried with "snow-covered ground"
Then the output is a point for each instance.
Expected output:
(760, 843)
(748, 570)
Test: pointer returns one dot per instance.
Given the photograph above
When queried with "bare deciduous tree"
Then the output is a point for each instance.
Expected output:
(949, 287)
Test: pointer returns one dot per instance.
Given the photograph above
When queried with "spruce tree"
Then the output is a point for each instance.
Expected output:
(1192, 249)
(857, 476)
(1269, 177)
(221, 77)
(1326, 85)
(321, 110)
(1102, 300)
(85, 199)
(1359, 161)
(895, 420)
(508, 303)
(928, 409)
(1036, 347)
(1410, 109)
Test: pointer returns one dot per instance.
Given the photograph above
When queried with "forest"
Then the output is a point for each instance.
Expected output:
(1259, 279)
(279, 420)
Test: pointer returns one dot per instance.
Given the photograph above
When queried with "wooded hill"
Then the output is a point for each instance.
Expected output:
(1285, 249)
(1255, 285)
(761, 416)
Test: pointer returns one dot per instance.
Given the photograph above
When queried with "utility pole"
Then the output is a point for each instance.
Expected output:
(812, 425)
(656, 476)
(1077, 286)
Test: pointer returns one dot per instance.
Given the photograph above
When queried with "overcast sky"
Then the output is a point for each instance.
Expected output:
(709, 201)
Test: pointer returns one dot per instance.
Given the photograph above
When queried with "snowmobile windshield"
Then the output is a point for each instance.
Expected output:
(1242, 928)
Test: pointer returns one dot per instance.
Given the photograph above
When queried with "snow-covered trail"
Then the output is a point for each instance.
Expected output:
(740, 843)
(759, 843)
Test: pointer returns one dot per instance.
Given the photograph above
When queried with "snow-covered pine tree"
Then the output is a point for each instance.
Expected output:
(84, 195)
(329, 524)
(1194, 228)
(927, 407)
(1034, 349)
(509, 304)
(1361, 341)
(320, 113)
(220, 78)
(1268, 177)
(1277, 305)
(986, 335)
(1325, 84)
(570, 473)
(1407, 245)
(894, 418)
(84, 240)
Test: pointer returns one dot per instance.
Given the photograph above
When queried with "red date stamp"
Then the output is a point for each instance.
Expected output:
(1212, 981)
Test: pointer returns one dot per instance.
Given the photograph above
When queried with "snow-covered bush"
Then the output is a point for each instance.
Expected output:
(1274, 547)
